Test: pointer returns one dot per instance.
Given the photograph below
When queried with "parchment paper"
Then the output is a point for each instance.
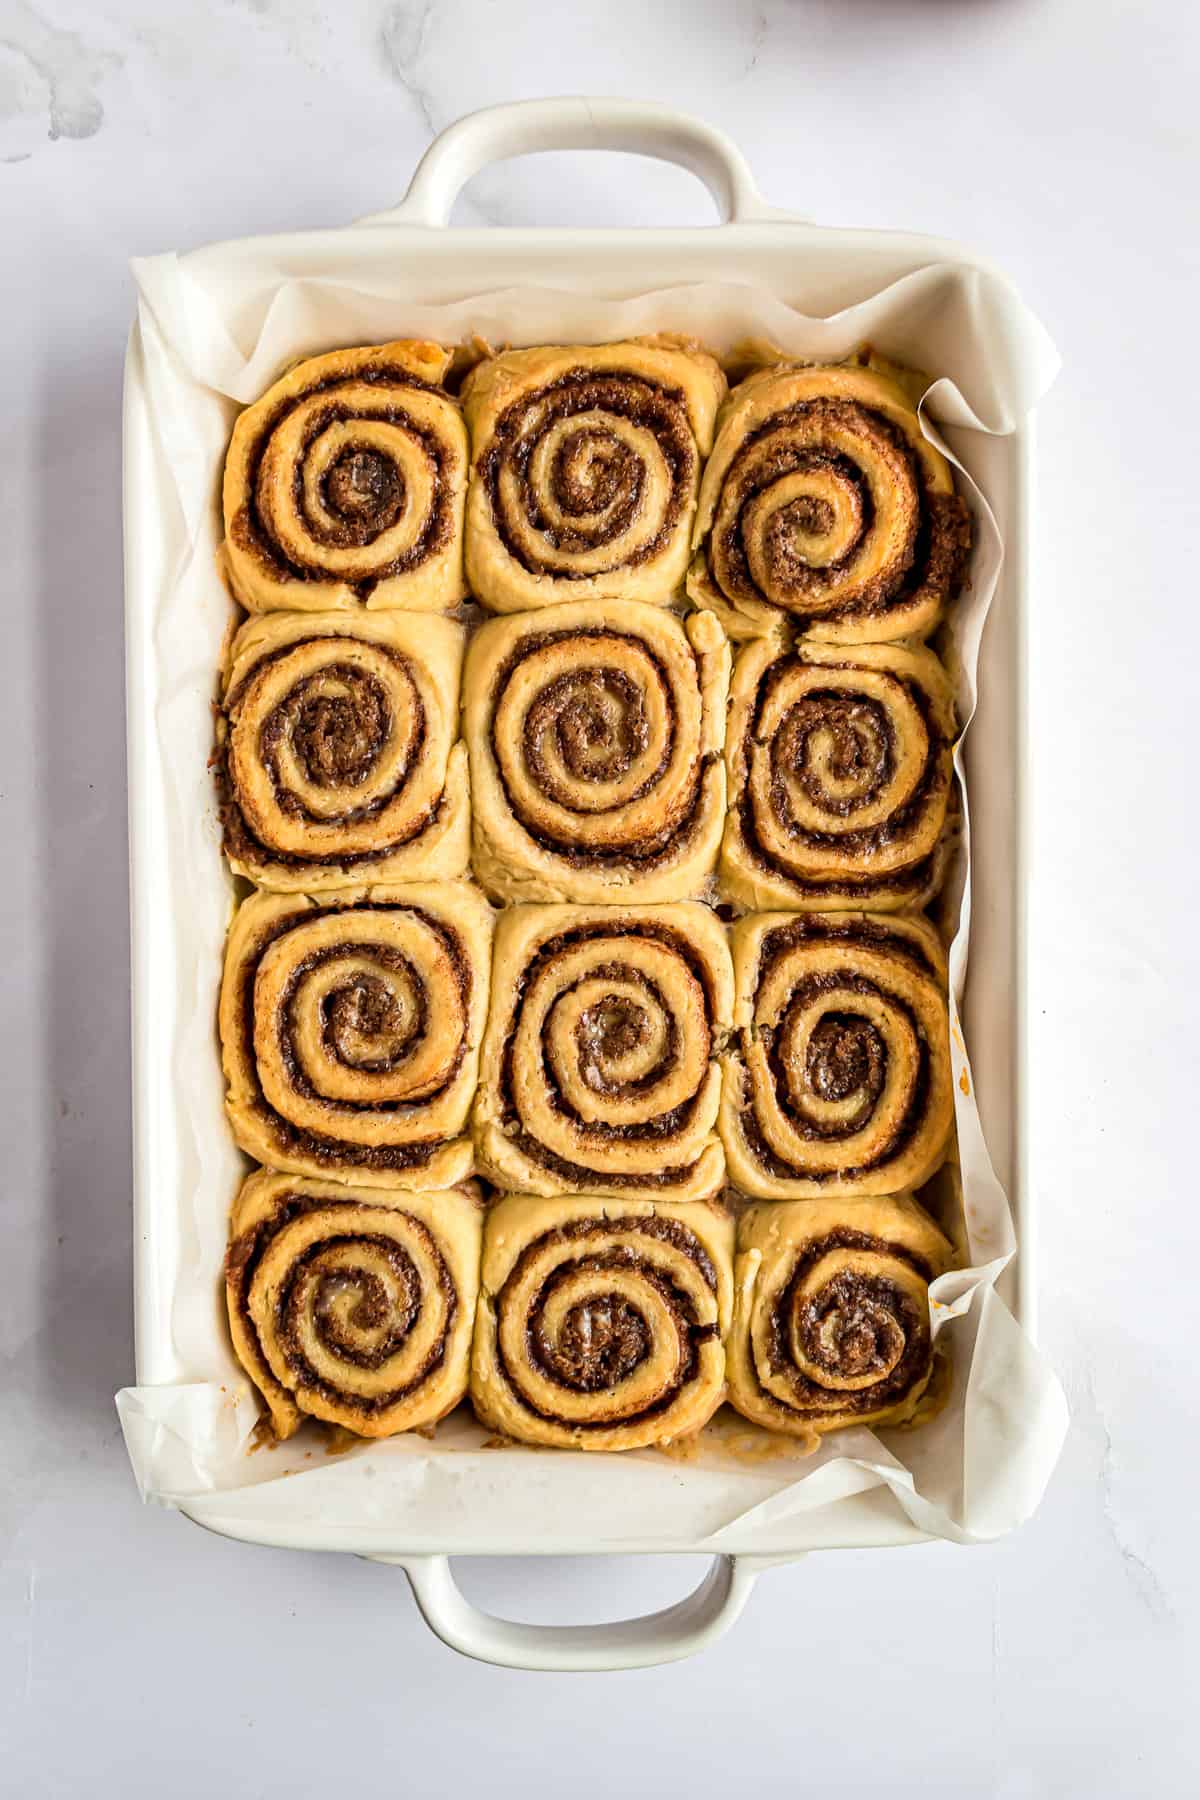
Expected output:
(215, 331)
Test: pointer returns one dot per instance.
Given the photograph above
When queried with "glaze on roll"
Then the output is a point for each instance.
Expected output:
(352, 1305)
(338, 758)
(840, 773)
(600, 1324)
(824, 503)
(350, 1029)
(838, 1078)
(599, 1071)
(586, 466)
(831, 1321)
(594, 733)
(345, 486)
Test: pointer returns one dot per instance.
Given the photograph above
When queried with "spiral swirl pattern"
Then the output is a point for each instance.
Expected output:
(840, 1079)
(831, 1325)
(352, 1306)
(840, 775)
(601, 1330)
(594, 732)
(599, 1072)
(345, 485)
(351, 1030)
(823, 499)
(587, 466)
(337, 753)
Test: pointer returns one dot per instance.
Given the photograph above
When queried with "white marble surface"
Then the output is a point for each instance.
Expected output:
(138, 1655)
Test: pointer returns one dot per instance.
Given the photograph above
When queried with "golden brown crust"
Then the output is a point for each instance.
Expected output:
(352, 1305)
(585, 470)
(823, 500)
(599, 1071)
(840, 770)
(594, 733)
(338, 758)
(345, 485)
(838, 1079)
(350, 1029)
(600, 1323)
(831, 1313)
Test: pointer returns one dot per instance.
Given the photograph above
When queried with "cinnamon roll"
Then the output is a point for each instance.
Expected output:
(823, 500)
(831, 1315)
(352, 1305)
(839, 1077)
(337, 751)
(345, 485)
(599, 1071)
(586, 469)
(600, 1325)
(839, 765)
(350, 1029)
(594, 732)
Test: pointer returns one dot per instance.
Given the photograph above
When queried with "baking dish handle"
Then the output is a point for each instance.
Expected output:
(660, 1637)
(637, 126)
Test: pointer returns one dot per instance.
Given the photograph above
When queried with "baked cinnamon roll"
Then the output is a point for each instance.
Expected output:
(824, 502)
(599, 1071)
(345, 486)
(599, 1325)
(585, 472)
(350, 1029)
(352, 1305)
(338, 757)
(831, 1315)
(840, 771)
(838, 1080)
(594, 732)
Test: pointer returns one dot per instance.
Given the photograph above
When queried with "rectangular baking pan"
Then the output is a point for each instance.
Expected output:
(819, 271)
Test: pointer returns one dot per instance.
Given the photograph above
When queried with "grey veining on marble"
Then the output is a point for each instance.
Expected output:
(1062, 140)
(51, 79)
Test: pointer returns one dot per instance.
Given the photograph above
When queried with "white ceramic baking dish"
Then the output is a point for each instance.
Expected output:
(820, 271)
